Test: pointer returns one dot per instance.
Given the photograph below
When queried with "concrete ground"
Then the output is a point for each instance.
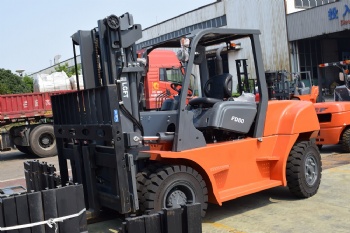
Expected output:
(12, 168)
(276, 210)
(269, 211)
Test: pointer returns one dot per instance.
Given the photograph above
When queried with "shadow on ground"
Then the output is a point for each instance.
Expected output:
(15, 155)
(246, 203)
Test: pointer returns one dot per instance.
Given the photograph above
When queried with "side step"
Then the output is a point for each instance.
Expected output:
(248, 189)
(267, 158)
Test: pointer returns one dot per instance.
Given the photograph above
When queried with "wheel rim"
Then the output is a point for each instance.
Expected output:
(46, 140)
(177, 195)
(311, 169)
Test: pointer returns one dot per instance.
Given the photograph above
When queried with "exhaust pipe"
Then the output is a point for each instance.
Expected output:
(219, 66)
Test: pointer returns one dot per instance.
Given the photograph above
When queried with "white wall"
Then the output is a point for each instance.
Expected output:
(291, 7)
(270, 19)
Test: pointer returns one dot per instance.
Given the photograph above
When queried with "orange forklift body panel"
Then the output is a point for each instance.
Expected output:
(334, 118)
(240, 167)
(310, 97)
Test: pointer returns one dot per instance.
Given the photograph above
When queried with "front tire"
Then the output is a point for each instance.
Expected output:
(345, 141)
(173, 186)
(304, 169)
(43, 141)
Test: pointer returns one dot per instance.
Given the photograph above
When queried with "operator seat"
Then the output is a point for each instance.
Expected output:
(216, 89)
(303, 90)
(213, 113)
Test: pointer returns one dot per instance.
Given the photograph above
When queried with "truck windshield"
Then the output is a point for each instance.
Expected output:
(174, 75)
(171, 75)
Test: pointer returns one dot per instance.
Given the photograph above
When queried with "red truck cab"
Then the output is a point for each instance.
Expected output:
(163, 69)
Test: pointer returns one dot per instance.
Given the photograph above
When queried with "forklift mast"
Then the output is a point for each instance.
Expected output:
(98, 129)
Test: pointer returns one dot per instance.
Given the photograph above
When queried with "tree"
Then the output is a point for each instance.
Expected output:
(28, 81)
(70, 71)
(13, 84)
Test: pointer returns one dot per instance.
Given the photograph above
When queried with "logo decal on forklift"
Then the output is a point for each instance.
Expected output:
(237, 119)
(116, 117)
(125, 89)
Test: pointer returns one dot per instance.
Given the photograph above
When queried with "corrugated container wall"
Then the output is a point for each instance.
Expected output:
(267, 16)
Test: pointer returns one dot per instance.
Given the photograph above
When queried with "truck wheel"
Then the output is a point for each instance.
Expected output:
(345, 140)
(42, 141)
(173, 186)
(304, 169)
(25, 150)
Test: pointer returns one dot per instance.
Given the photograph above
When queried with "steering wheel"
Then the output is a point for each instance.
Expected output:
(177, 87)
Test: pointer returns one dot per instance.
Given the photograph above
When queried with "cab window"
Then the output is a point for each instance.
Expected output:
(170, 75)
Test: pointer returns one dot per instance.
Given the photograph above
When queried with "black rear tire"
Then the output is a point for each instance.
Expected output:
(345, 140)
(304, 169)
(43, 141)
(173, 186)
(25, 149)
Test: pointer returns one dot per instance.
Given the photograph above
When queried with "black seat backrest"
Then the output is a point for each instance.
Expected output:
(216, 89)
(219, 86)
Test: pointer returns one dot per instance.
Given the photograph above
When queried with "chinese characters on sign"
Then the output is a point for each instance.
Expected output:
(347, 10)
(333, 14)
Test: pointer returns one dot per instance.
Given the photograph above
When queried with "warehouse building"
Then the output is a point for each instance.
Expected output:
(267, 16)
(319, 34)
(296, 35)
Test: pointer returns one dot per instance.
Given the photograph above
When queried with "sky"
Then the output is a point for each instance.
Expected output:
(33, 32)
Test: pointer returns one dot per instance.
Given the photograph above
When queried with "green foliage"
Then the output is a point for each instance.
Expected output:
(13, 84)
(251, 83)
(28, 81)
(70, 71)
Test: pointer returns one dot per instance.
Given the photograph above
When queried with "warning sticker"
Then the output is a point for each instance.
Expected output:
(116, 117)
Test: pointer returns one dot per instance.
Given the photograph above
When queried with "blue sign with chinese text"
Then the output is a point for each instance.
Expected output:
(332, 13)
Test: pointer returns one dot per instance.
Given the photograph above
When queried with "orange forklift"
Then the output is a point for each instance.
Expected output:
(208, 149)
(289, 86)
(283, 85)
(334, 117)
(302, 92)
